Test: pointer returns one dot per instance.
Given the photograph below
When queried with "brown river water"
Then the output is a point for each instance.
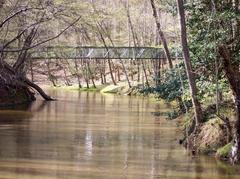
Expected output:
(89, 135)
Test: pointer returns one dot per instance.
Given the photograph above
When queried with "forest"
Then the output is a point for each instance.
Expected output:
(184, 53)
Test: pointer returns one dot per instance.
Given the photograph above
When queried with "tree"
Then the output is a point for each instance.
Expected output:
(135, 41)
(161, 34)
(188, 66)
(25, 22)
(214, 28)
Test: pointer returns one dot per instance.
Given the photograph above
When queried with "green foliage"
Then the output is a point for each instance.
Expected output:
(169, 6)
(170, 88)
(210, 26)
(172, 115)
(208, 89)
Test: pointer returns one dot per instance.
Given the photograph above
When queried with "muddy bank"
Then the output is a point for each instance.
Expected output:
(14, 96)
(214, 136)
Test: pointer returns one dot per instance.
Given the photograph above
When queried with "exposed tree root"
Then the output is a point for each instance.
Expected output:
(16, 89)
(38, 89)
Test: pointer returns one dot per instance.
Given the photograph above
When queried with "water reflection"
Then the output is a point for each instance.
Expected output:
(88, 135)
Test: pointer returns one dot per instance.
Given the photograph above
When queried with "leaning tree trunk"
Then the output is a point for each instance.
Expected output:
(51, 77)
(136, 43)
(108, 60)
(188, 65)
(12, 90)
(161, 34)
(15, 88)
(120, 59)
(14, 85)
(77, 73)
(233, 76)
(91, 74)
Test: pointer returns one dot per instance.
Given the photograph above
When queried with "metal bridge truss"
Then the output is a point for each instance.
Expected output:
(98, 53)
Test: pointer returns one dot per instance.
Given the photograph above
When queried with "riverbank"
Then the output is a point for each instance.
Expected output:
(121, 88)
(12, 96)
(214, 135)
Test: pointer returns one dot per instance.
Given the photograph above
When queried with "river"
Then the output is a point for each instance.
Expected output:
(89, 135)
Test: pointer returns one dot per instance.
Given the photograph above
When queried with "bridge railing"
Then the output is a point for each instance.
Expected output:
(97, 53)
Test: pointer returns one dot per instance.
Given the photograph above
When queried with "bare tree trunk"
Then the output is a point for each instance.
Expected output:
(125, 72)
(139, 72)
(77, 73)
(85, 72)
(111, 71)
(31, 70)
(118, 73)
(51, 77)
(100, 69)
(67, 82)
(136, 43)
(108, 60)
(131, 69)
(121, 61)
(188, 65)
(104, 72)
(145, 72)
(91, 74)
(161, 34)
(38, 89)
(157, 63)
(233, 76)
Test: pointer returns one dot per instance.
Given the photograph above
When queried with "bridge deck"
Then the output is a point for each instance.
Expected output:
(98, 53)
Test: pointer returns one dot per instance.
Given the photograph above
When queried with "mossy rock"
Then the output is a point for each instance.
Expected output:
(223, 152)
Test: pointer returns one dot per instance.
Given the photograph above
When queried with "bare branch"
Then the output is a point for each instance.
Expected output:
(15, 14)
(21, 33)
(47, 40)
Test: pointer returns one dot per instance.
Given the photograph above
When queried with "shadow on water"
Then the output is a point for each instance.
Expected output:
(20, 113)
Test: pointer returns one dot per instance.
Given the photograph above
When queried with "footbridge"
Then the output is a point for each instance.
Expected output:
(91, 52)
